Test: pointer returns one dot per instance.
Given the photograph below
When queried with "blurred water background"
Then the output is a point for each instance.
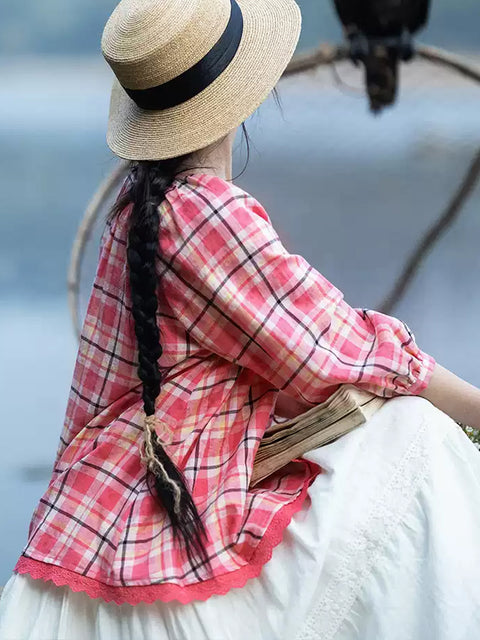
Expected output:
(350, 192)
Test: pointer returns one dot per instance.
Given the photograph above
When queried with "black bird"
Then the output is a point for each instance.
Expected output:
(380, 35)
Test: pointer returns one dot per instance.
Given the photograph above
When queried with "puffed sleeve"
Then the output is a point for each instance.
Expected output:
(243, 296)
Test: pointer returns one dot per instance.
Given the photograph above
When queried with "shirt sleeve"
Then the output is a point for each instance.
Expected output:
(243, 296)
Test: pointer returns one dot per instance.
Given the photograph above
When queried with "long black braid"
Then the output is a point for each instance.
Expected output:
(148, 182)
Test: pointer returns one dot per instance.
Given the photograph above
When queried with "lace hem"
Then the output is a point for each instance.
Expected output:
(166, 592)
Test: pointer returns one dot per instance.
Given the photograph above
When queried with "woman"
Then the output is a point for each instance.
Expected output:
(201, 328)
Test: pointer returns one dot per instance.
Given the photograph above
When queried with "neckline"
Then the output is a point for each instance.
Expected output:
(200, 175)
(199, 179)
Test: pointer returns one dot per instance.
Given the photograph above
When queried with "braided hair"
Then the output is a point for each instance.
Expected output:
(148, 182)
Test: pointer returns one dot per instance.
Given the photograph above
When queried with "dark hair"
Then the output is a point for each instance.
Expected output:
(147, 183)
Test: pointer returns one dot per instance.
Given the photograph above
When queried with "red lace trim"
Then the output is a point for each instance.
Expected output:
(169, 591)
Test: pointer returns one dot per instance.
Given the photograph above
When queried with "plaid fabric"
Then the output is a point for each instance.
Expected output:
(240, 318)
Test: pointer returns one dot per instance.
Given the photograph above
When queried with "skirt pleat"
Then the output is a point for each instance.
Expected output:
(386, 547)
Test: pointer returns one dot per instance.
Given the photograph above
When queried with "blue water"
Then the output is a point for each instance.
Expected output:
(349, 192)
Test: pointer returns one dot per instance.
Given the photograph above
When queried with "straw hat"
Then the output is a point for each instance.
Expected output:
(190, 71)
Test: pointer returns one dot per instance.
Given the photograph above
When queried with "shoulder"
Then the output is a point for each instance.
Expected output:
(208, 194)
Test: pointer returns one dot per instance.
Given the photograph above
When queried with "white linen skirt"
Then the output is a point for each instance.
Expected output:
(386, 547)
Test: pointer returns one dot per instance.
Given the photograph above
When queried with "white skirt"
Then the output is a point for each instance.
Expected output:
(387, 547)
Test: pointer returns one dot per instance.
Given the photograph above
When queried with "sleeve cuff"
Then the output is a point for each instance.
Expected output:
(420, 376)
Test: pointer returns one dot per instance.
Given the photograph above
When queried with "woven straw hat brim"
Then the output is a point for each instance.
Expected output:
(271, 32)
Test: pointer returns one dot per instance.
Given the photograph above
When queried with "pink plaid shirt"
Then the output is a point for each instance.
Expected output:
(241, 318)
